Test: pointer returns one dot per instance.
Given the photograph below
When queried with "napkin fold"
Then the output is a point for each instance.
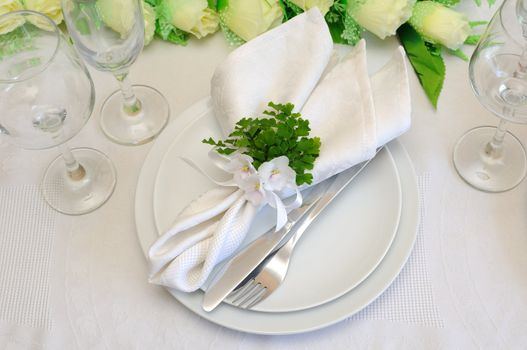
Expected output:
(351, 113)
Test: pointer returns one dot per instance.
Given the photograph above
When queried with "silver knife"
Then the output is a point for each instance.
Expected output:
(249, 258)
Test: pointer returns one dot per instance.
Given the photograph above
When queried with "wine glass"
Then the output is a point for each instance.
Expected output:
(46, 97)
(491, 158)
(109, 35)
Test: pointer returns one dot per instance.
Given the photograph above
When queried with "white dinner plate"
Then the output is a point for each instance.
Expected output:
(285, 322)
(342, 247)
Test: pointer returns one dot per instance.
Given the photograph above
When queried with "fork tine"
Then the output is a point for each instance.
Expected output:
(264, 294)
(255, 295)
(248, 296)
(240, 291)
(247, 291)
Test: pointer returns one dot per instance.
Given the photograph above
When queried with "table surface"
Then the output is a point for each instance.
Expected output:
(463, 287)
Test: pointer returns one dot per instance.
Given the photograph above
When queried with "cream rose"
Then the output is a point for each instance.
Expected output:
(9, 6)
(120, 15)
(192, 16)
(150, 22)
(50, 8)
(381, 17)
(440, 24)
(250, 18)
(323, 5)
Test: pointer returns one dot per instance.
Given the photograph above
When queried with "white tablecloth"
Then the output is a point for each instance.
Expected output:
(81, 282)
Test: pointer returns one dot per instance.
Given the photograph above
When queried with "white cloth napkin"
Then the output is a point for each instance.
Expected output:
(351, 114)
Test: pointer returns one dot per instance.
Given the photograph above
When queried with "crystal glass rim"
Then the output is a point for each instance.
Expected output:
(498, 15)
(55, 30)
(503, 24)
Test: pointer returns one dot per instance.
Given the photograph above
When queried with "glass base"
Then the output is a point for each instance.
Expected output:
(483, 172)
(84, 195)
(138, 129)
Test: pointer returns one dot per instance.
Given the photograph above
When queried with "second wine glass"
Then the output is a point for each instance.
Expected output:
(488, 158)
(109, 35)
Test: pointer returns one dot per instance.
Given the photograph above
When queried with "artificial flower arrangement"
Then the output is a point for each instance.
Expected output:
(269, 155)
(426, 28)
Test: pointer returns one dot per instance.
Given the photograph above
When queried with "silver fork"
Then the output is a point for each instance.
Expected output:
(271, 272)
(268, 276)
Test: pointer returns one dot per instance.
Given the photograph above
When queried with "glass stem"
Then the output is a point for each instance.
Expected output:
(74, 169)
(493, 149)
(131, 104)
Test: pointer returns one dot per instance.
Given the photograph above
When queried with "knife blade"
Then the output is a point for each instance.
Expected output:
(249, 258)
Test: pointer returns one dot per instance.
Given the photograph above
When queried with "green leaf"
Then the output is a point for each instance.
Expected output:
(472, 39)
(285, 133)
(427, 63)
(458, 53)
(164, 28)
(474, 24)
(448, 3)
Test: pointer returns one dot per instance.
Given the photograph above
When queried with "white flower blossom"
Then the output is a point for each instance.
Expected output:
(14, 22)
(381, 17)
(323, 5)
(252, 186)
(250, 18)
(192, 16)
(119, 16)
(440, 24)
(50, 8)
(276, 175)
(240, 165)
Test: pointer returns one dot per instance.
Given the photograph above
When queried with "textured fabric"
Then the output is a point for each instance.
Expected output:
(184, 257)
(410, 298)
(473, 249)
(27, 232)
(297, 63)
(294, 62)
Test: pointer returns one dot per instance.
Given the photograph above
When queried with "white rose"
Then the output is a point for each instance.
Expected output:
(440, 24)
(192, 16)
(7, 6)
(250, 18)
(323, 5)
(50, 8)
(119, 15)
(150, 22)
(381, 17)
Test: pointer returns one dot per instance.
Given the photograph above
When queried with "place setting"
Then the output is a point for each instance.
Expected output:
(281, 201)
(352, 252)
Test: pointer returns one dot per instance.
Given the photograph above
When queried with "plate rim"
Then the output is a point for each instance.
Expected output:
(307, 320)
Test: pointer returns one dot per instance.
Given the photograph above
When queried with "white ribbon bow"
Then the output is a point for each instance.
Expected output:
(267, 185)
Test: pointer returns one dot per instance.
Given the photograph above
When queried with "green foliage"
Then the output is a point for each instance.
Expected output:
(477, 23)
(472, 40)
(263, 139)
(451, 3)
(343, 28)
(448, 3)
(290, 10)
(490, 2)
(458, 53)
(426, 60)
(164, 28)
(18, 40)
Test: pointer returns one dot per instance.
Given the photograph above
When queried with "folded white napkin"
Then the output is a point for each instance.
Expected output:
(351, 113)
